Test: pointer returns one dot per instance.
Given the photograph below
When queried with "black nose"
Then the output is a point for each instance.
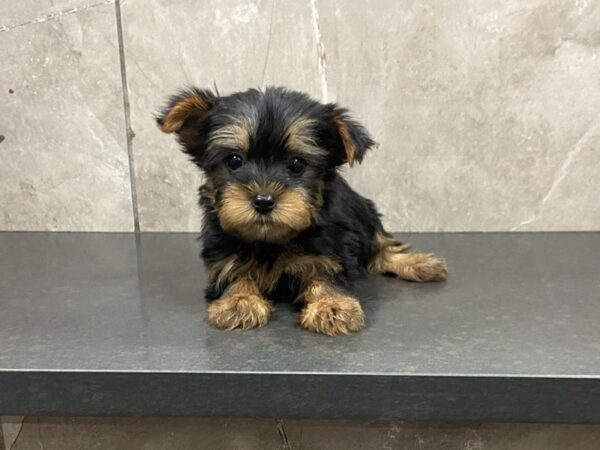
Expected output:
(263, 203)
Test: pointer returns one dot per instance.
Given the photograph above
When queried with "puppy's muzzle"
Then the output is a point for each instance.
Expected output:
(263, 203)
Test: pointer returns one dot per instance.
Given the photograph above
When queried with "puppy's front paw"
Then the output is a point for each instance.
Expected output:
(239, 311)
(333, 315)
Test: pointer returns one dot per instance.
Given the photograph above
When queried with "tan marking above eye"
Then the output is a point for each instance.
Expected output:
(235, 136)
(300, 137)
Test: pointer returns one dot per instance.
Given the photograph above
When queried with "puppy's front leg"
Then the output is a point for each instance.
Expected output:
(329, 310)
(242, 305)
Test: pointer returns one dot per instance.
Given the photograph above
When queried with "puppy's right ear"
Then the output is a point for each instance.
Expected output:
(183, 116)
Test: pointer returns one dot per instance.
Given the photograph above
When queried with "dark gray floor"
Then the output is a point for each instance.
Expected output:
(514, 334)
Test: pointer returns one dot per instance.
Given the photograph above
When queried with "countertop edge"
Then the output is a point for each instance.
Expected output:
(318, 396)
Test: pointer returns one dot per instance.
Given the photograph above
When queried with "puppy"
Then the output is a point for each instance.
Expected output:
(279, 220)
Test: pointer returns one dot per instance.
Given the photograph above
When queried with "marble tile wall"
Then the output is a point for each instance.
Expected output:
(487, 113)
(66, 433)
(64, 159)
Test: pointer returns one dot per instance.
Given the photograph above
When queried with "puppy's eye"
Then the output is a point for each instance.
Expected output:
(234, 161)
(296, 165)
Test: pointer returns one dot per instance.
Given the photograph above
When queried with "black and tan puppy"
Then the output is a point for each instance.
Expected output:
(279, 221)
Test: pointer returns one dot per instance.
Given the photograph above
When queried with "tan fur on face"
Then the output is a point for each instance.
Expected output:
(305, 267)
(292, 213)
(390, 258)
(300, 137)
(329, 310)
(235, 136)
(193, 104)
(241, 306)
(293, 210)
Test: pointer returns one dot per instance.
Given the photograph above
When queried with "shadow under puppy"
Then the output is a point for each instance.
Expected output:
(278, 217)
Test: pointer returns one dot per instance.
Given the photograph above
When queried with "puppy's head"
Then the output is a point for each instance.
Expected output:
(267, 155)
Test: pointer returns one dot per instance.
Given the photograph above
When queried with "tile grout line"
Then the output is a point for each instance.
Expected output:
(12, 444)
(286, 445)
(127, 111)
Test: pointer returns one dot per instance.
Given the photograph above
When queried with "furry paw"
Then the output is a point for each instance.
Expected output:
(420, 267)
(333, 315)
(239, 311)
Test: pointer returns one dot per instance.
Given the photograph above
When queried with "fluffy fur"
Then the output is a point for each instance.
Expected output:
(279, 220)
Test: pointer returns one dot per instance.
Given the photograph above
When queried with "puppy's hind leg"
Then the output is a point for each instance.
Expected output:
(391, 258)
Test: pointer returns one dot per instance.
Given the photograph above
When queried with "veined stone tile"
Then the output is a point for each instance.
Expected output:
(486, 112)
(75, 433)
(350, 435)
(19, 13)
(10, 426)
(64, 157)
(65, 433)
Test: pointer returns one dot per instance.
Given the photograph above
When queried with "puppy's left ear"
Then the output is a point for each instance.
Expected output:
(183, 116)
(354, 139)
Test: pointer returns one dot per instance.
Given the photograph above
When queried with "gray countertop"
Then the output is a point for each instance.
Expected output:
(113, 323)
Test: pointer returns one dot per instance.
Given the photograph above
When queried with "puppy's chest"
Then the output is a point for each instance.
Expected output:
(265, 273)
